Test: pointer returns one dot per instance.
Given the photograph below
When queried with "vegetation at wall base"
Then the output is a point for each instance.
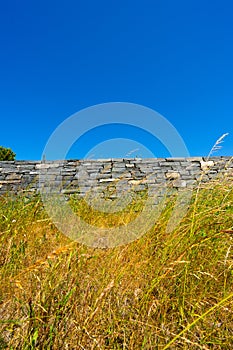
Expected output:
(163, 291)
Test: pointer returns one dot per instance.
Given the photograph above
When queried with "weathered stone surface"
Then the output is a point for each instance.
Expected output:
(13, 176)
(206, 165)
(172, 175)
(47, 165)
(179, 183)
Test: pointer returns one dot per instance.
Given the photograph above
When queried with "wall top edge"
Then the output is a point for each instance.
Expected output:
(118, 160)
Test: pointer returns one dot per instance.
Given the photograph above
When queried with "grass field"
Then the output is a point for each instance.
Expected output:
(163, 291)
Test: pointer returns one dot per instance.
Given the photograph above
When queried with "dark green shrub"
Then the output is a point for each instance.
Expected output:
(6, 154)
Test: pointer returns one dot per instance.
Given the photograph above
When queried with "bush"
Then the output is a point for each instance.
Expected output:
(6, 154)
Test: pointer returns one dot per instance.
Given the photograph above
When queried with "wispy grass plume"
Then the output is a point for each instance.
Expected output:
(217, 146)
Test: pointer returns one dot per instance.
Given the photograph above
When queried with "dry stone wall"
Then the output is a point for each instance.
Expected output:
(109, 177)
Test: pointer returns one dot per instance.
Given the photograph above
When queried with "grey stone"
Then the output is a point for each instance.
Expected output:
(179, 183)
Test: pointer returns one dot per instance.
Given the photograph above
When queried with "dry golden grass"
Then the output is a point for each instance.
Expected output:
(162, 291)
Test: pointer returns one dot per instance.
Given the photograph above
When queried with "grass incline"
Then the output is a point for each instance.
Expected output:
(163, 291)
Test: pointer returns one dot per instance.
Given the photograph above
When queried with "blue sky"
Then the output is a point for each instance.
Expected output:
(59, 57)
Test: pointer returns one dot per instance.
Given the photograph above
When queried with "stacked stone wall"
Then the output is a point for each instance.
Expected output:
(111, 175)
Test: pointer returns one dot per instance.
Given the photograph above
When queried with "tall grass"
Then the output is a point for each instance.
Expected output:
(163, 291)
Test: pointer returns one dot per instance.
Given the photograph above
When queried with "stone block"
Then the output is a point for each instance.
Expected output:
(13, 176)
(179, 183)
(172, 175)
(47, 165)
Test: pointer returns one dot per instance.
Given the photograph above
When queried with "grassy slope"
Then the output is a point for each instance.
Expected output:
(163, 291)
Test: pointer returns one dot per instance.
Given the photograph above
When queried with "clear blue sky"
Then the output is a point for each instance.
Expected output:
(58, 57)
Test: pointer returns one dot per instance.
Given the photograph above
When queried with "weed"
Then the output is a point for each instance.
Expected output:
(165, 290)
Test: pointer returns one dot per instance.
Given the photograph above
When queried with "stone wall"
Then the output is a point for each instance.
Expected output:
(110, 176)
